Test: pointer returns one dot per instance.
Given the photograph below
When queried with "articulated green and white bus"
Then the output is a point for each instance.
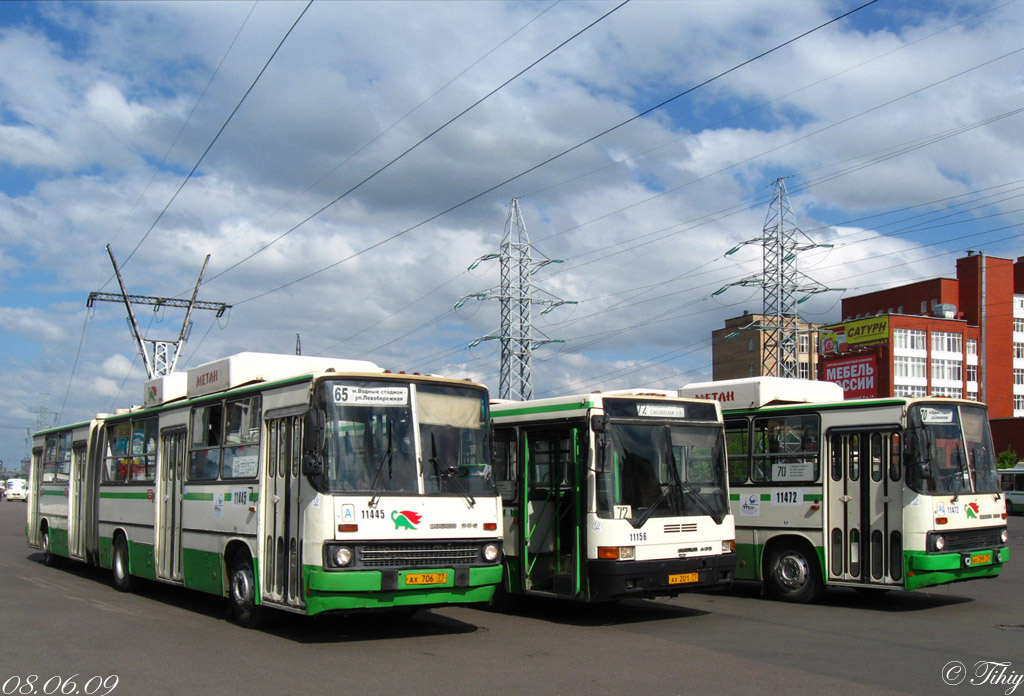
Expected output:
(613, 495)
(875, 493)
(304, 484)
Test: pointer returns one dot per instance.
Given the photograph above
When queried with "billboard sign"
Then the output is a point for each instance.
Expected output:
(857, 376)
(859, 333)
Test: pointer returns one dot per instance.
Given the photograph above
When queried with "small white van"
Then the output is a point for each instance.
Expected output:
(17, 489)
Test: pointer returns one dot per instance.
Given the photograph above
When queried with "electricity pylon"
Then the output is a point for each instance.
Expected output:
(783, 286)
(517, 295)
(165, 353)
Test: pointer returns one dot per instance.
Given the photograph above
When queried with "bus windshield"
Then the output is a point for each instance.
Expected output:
(372, 444)
(951, 450)
(453, 439)
(662, 470)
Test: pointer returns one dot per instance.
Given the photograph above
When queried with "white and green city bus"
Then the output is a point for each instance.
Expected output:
(1012, 485)
(304, 484)
(874, 493)
(613, 495)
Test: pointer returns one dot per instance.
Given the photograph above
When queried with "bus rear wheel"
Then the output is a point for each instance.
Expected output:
(792, 575)
(124, 581)
(49, 559)
(242, 594)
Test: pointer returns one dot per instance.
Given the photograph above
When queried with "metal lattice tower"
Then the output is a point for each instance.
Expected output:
(783, 286)
(517, 295)
(165, 353)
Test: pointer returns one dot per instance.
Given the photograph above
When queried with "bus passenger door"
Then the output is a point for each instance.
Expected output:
(864, 542)
(551, 510)
(174, 449)
(280, 559)
(76, 505)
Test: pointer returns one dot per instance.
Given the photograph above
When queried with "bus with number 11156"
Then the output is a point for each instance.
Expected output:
(613, 495)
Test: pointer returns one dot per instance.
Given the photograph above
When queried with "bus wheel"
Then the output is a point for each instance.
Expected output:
(792, 575)
(242, 593)
(123, 580)
(49, 559)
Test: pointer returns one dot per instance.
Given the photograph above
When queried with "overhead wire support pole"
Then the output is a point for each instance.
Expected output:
(163, 360)
(781, 283)
(516, 295)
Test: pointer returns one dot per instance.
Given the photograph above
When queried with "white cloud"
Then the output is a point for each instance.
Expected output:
(642, 216)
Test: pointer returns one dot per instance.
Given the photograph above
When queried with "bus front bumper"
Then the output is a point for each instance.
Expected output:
(926, 569)
(375, 589)
(611, 580)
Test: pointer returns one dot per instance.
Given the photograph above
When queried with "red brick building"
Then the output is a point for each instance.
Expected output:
(958, 337)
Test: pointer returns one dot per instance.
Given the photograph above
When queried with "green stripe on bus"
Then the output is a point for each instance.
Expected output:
(52, 491)
(554, 408)
(125, 495)
(199, 496)
(812, 497)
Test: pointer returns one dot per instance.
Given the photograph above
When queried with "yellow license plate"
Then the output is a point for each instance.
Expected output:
(426, 578)
(681, 578)
(981, 559)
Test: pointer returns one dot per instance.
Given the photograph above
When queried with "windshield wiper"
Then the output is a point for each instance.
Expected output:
(960, 455)
(378, 480)
(687, 490)
(449, 473)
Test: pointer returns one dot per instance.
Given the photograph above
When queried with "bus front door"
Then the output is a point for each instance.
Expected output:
(172, 462)
(864, 543)
(280, 565)
(550, 536)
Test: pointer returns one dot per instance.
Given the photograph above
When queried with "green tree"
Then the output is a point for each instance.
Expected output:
(1006, 459)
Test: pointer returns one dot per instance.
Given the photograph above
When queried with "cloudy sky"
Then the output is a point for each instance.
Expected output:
(344, 165)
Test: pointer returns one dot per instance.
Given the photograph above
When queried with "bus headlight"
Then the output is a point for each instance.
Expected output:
(1003, 536)
(341, 555)
(616, 553)
(939, 542)
(491, 552)
(728, 545)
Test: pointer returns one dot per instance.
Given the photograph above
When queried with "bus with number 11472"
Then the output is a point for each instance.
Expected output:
(871, 494)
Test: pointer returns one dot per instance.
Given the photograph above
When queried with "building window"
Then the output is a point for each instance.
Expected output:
(1018, 375)
(952, 392)
(948, 370)
(750, 370)
(805, 343)
(972, 346)
(1018, 324)
(909, 339)
(805, 370)
(905, 366)
(750, 344)
(947, 342)
(908, 390)
(973, 396)
(1018, 350)
(924, 307)
(1018, 402)
(972, 373)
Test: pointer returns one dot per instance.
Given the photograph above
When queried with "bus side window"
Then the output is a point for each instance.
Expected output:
(506, 464)
(204, 454)
(737, 446)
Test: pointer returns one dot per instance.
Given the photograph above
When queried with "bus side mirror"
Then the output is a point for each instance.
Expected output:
(314, 427)
(924, 470)
(599, 424)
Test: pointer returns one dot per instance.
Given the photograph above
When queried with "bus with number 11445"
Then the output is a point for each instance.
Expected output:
(302, 484)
